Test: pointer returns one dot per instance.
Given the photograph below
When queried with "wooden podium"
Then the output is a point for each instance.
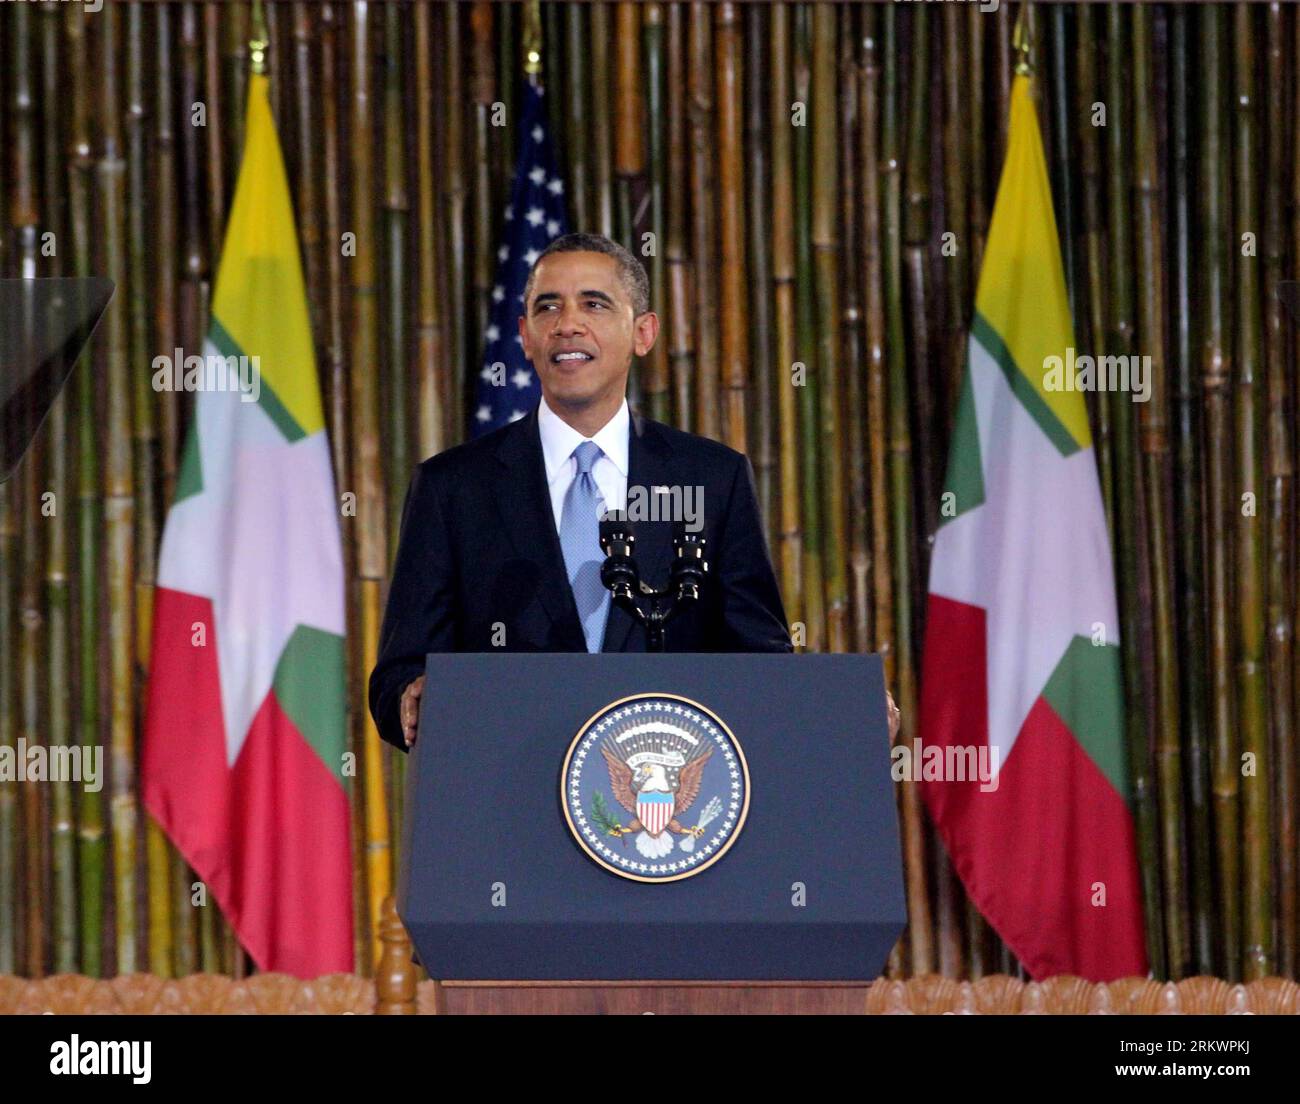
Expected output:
(396, 985)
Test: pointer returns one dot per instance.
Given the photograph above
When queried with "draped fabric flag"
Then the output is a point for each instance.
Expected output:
(1021, 642)
(508, 387)
(245, 726)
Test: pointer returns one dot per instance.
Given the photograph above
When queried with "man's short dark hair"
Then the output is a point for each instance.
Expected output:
(630, 270)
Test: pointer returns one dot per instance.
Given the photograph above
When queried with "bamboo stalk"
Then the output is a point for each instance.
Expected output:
(920, 936)
(194, 925)
(805, 346)
(235, 28)
(1216, 354)
(733, 283)
(918, 282)
(1128, 474)
(306, 176)
(976, 86)
(336, 375)
(482, 95)
(1002, 70)
(703, 231)
(396, 216)
(337, 390)
(851, 315)
(119, 502)
(430, 338)
(24, 219)
(456, 241)
(877, 365)
(602, 125)
(1188, 483)
(163, 209)
(92, 845)
(1090, 321)
(790, 542)
(1293, 862)
(956, 171)
(963, 199)
(1281, 508)
(508, 63)
(657, 373)
(213, 128)
(629, 125)
(576, 83)
(681, 276)
(59, 459)
(145, 448)
(827, 439)
(1252, 532)
(553, 59)
(367, 476)
(1158, 475)
(919, 290)
(1062, 142)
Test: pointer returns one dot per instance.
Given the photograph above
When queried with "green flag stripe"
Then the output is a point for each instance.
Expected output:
(267, 398)
(1086, 692)
(189, 480)
(309, 684)
(965, 480)
(1031, 400)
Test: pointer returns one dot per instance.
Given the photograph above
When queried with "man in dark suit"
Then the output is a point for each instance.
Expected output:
(499, 544)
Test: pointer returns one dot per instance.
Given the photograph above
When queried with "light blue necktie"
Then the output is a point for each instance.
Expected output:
(580, 541)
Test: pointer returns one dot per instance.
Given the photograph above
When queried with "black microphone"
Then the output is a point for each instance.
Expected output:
(618, 574)
(689, 565)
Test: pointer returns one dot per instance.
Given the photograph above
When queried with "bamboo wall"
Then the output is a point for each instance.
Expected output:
(797, 168)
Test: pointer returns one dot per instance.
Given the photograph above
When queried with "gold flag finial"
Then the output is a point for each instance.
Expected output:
(1020, 42)
(258, 44)
(532, 38)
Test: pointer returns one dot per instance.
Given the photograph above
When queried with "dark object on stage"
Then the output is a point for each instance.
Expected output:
(651, 609)
(44, 325)
(513, 868)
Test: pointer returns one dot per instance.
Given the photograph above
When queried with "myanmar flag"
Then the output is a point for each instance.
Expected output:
(245, 732)
(1022, 643)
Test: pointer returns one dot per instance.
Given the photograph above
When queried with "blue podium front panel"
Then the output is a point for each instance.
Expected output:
(721, 817)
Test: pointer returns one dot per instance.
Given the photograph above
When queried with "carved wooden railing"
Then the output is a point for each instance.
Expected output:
(397, 990)
(349, 994)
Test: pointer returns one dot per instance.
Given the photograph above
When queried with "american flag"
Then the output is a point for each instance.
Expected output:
(507, 385)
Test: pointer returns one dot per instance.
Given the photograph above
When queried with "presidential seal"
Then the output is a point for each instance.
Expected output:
(655, 788)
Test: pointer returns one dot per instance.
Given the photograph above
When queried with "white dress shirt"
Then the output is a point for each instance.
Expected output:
(559, 439)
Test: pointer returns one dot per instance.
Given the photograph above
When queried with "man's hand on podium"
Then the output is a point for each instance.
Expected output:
(410, 710)
(895, 717)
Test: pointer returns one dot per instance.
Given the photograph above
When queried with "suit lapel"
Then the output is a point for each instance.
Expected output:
(649, 465)
(524, 502)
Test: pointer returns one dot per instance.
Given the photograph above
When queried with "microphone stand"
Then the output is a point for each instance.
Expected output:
(622, 578)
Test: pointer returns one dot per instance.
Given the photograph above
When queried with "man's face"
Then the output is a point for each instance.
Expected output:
(580, 332)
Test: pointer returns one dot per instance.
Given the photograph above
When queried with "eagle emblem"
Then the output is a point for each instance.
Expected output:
(673, 792)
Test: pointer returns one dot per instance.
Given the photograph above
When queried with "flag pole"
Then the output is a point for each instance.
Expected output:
(533, 39)
(258, 44)
(1020, 42)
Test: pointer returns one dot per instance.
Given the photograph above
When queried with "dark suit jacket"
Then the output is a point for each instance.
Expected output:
(478, 549)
